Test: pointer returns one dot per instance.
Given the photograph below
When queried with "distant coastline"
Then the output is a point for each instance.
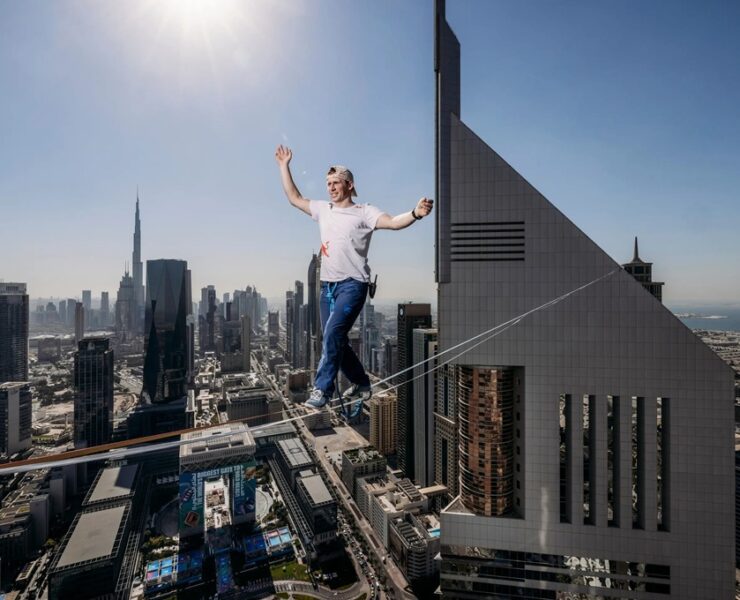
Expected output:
(714, 317)
(699, 316)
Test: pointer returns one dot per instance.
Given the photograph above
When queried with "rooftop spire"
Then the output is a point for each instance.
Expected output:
(636, 257)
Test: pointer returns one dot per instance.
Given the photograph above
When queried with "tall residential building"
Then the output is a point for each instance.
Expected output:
(15, 417)
(207, 319)
(246, 345)
(369, 332)
(383, 423)
(14, 317)
(611, 419)
(237, 339)
(87, 301)
(71, 312)
(126, 307)
(138, 272)
(313, 314)
(273, 329)
(298, 349)
(390, 357)
(643, 272)
(410, 317)
(93, 387)
(166, 345)
(104, 309)
(425, 387)
(79, 321)
(63, 312)
(289, 325)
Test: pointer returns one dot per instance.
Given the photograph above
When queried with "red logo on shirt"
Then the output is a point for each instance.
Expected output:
(325, 249)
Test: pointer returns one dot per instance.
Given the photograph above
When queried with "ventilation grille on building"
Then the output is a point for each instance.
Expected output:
(486, 242)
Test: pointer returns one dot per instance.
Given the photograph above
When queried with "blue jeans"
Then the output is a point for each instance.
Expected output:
(346, 298)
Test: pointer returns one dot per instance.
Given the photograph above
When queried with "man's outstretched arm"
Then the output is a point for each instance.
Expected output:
(283, 156)
(421, 210)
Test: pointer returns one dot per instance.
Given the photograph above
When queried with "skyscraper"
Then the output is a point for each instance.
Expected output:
(643, 272)
(87, 301)
(93, 399)
(597, 434)
(104, 309)
(246, 345)
(410, 317)
(166, 344)
(273, 329)
(14, 317)
(15, 417)
(207, 319)
(138, 271)
(313, 315)
(289, 327)
(71, 312)
(63, 312)
(126, 307)
(424, 347)
(79, 321)
(297, 352)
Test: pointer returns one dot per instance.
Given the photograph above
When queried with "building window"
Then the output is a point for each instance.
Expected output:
(612, 458)
(565, 401)
(638, 472)
(663, 445)
(589, 472)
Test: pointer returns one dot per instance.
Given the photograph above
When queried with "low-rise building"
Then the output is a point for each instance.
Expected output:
(49, 348)
(296, 385)
(23, 521)
(293, 458)
(266, 438)
(15, 417)
(91, 553)
(361, 462)
(226, 452)
(112, 485)
(414, 544)
(253, 402)
(318, 506)
(400, 498)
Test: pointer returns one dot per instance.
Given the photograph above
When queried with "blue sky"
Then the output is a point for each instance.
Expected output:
(623, 114)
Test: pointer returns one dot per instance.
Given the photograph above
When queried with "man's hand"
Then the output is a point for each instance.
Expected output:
(424, 207)
(283, 154)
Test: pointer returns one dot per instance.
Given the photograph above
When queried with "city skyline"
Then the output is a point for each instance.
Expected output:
(201, 139)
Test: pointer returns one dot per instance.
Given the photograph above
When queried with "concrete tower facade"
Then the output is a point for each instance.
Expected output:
(615, 420)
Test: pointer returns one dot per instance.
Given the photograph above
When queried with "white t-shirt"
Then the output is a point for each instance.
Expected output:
(345, 239)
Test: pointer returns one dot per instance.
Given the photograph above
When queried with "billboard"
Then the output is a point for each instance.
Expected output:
(242, 488)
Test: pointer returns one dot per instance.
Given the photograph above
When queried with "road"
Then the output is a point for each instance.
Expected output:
(395, 577)
(290, 410)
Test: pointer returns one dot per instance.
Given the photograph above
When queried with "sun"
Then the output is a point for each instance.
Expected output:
(199, 19)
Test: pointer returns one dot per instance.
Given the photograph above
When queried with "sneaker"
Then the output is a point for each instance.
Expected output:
(357, 394)
(317, 399)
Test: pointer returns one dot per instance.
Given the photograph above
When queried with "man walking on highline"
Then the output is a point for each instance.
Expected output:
(345, 229)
